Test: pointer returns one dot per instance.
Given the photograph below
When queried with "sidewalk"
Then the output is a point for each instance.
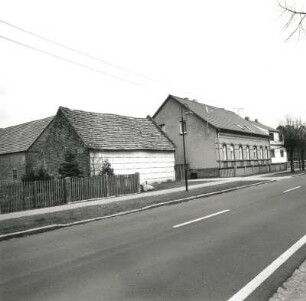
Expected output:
(104, 201)
(294, 289)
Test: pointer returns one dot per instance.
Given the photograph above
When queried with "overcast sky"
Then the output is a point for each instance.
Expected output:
(230, 54)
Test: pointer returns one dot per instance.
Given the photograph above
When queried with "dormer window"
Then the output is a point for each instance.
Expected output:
(240, 126)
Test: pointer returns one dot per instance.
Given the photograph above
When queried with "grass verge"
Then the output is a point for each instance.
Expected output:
(94, 211)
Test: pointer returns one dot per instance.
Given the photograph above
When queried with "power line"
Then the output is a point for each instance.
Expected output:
(156, 82)
(68, 60)
(73, 49)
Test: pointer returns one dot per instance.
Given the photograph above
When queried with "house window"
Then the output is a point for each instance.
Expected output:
(248, 154)
(240, 152)
(15, 174)
(282, 153)
(255, 156)
(183, 127)
(264, 153)
(271, 136)
(163, 127)
(272, 153)
(281, 137)
(232, 153)
(224, 152)
(267, 153)
(260, 155)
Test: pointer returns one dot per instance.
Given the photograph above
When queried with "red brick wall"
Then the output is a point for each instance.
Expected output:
(49, 149)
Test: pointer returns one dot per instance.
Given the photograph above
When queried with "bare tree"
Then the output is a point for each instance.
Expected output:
(295, 17)
(293, 131)
(302, 145)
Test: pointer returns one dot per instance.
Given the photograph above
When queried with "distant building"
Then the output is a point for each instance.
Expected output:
(218, 142)
(278, 151)
(130, 144)
(15, 142)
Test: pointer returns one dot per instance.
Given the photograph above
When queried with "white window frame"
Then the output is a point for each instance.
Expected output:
(240, 152)
(248, 153)
(232, 152)
(224, 152)
(255, 153)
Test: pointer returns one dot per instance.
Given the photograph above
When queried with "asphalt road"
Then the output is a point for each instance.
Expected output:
(206, 249)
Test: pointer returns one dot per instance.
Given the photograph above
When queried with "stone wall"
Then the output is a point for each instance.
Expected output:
(49, 149)
(9, 162)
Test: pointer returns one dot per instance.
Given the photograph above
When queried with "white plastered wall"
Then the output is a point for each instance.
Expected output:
(153, 166)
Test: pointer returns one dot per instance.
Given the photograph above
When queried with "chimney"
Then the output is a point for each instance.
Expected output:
(247, 118)
(256, 120)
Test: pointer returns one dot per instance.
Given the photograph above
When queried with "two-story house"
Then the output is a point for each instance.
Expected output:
(218, 142)
(278, 151)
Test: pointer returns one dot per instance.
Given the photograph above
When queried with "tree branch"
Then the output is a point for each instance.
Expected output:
(296, 18)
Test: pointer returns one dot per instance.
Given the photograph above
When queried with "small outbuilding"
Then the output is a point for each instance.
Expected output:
(15, 142)
(129, 144)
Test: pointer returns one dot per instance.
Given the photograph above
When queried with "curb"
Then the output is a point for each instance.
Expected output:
(85, 221)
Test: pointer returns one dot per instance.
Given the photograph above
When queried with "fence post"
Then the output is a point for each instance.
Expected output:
(107, 185)
(34, 194)
(67, 189)
(137, 182)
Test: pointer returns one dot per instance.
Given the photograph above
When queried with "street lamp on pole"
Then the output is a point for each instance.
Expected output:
(183, 125)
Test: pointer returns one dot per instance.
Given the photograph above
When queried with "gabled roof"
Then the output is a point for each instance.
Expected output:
(217, 117)
(114, 132)
(19, 138)
(263, 126)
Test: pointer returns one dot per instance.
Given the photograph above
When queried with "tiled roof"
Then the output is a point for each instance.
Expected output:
(115, 132)
(263, 126)
(220, 118)
(19, 138)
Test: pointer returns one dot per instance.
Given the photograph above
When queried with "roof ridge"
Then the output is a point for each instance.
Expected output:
(203, 104)
(28, 122)
(100, 113)
(115, 132)
(219, 118)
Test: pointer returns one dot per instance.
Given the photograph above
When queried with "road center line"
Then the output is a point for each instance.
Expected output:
(268, 271)
(297, 187)
(200, 219)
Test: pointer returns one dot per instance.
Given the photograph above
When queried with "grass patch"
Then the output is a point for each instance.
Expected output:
(73, 215)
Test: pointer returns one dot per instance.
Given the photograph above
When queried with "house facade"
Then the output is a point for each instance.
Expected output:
(278, 151)
(129, 144)
(218, 142)
(15, 142)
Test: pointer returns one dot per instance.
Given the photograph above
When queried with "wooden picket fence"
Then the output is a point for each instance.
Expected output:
(39, 194)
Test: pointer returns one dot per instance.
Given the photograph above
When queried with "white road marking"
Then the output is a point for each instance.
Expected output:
(297, 187)
(200, 219)
(268, 271)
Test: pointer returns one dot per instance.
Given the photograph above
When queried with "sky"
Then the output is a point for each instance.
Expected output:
(229, 54)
